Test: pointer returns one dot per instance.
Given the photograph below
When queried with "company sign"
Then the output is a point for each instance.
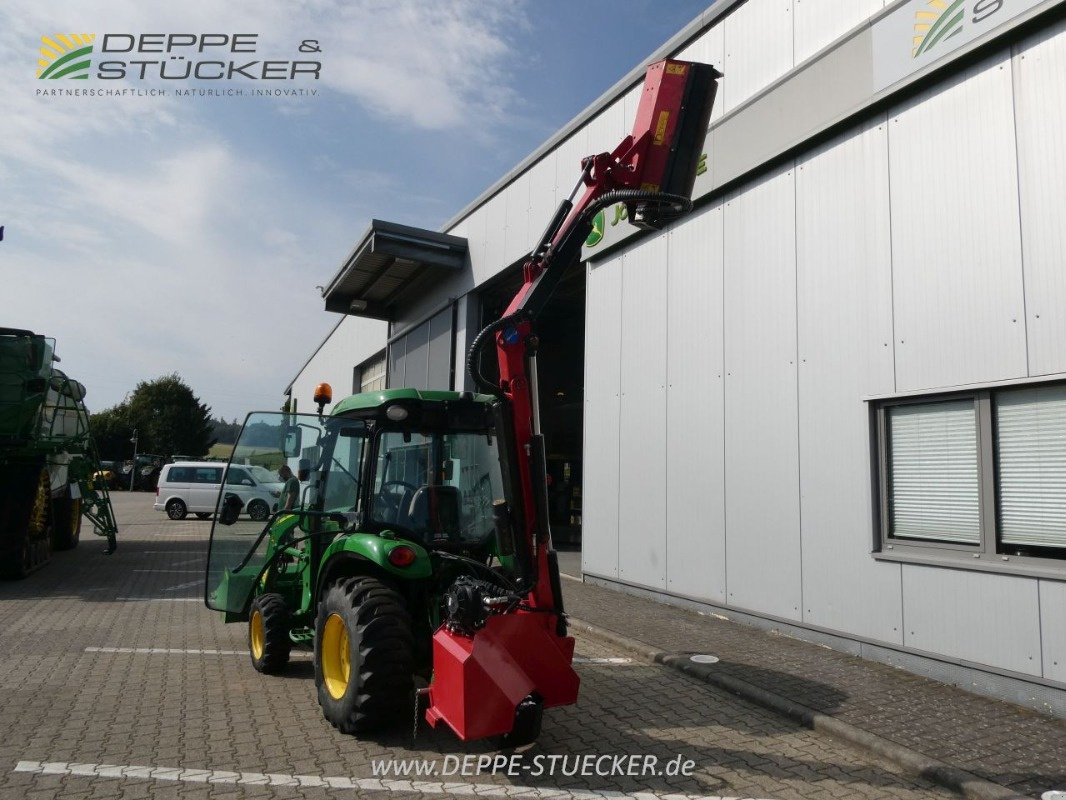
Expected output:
(171, 60)
(922, 32)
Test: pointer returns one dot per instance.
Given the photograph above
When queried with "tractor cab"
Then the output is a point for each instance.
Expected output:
(386, 482)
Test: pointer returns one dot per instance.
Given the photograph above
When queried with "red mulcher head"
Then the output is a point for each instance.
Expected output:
(498, 661)
(671, 125)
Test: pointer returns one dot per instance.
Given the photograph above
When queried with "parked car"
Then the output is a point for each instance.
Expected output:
(193, 486)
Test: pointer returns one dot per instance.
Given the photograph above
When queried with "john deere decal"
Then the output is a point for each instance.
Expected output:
(65, 55)
(596, 234)
(939, 20)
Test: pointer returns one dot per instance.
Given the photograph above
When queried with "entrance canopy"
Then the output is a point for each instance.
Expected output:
(388, 261)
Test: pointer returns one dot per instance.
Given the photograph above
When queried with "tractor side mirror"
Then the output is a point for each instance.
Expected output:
(293, 442)
(449, 469)
(231, 509)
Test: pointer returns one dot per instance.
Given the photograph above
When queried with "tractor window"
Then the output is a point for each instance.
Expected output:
(344, 471)
(438, 487)
(237, 553)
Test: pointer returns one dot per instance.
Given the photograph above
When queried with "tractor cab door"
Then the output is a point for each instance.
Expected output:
(251, 501)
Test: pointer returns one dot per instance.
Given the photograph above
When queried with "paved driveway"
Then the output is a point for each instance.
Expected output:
(116, 681)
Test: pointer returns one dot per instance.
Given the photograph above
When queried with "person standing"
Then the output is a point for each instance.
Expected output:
(290, 492)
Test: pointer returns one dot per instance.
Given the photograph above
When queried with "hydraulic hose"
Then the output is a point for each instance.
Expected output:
(628, 196)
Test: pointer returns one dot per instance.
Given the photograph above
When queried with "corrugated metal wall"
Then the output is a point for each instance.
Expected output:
(727, 438)
(351, 343)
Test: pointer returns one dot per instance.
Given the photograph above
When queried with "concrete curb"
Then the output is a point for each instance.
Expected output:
(910, 761)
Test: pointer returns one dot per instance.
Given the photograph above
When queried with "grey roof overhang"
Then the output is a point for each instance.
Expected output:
(387, 262)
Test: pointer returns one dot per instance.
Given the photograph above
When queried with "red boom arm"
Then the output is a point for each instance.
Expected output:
(496, 679)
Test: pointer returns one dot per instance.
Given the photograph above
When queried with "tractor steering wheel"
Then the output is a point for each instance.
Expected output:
(393, 501)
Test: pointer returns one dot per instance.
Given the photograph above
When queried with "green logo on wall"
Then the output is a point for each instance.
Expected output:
(65, 55)
(596, 235)
(937, 21)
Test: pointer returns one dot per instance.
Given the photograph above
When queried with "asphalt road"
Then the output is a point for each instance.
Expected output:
(117, 682)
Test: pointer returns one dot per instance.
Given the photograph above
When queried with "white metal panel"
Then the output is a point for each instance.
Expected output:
(476, 244)
(709, 48)
(976, 616)
(542, 198)
(568, 157)
(492, 261)
(761, 440)
(516, 238)
(955, 233)
(350, 344)
(758, 48)
(1040, 106)
(630, 104)
(1053, 627)
(599, 489)
(695, 468)
(642, 429)
(608, 128)
(821, 22)
(844, 308)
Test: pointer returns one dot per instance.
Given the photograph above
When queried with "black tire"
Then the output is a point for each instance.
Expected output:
(27, 522)
(377, 647)
(66, 523)
(176, 509)
(270, 645)
(203, 515)
(258, 510)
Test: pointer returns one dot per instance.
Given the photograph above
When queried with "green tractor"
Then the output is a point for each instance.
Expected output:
(395, 507)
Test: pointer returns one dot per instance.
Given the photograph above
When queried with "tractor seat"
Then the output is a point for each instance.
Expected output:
(434, 513)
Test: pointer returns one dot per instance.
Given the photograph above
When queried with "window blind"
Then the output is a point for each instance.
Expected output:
(933, 480)
(1031, 447)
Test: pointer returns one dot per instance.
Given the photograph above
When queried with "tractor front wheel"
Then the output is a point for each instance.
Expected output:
(363, 655)
(268, 633)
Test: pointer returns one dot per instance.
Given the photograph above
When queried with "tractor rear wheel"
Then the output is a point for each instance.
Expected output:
(364, 662)
(66, 524)
(268, 633)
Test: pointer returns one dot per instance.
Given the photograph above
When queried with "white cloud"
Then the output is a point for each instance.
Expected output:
(147, 239)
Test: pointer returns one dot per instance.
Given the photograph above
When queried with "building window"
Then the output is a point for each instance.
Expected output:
(370, 375)
(978, 479)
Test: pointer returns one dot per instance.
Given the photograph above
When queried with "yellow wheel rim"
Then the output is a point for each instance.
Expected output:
(256, 634)
(75, 516)
(39, 515)
(335, 656)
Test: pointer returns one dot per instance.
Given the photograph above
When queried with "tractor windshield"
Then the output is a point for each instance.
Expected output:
(285, 453)
(437, 487)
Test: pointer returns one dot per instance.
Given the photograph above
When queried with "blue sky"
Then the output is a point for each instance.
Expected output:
(152, 235)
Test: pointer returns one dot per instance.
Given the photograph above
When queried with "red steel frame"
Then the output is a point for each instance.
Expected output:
(479, 680)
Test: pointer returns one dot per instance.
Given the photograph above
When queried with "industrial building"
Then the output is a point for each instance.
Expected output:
(831, 400)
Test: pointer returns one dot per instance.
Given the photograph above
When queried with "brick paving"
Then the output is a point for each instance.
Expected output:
(62, 703)
(998, 741)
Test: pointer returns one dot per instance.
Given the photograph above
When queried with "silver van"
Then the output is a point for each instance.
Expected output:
(193, 486)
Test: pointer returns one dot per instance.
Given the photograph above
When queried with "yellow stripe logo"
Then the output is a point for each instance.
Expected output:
(934, 22)
(65, 55)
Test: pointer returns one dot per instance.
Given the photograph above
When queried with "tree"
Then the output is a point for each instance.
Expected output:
(169, 418)
(225, 432)
(112, 431)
